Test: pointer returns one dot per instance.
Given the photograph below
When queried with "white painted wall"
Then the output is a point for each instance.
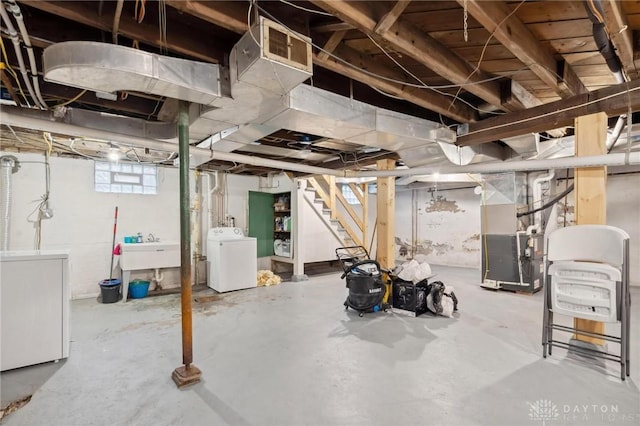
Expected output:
(623, 211)
(447, 223)
(83, 218)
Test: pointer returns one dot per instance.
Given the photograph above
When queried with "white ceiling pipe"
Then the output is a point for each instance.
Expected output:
(617, 159)
(12, 117)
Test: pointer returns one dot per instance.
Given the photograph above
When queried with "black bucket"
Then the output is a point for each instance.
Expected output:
(110, 290)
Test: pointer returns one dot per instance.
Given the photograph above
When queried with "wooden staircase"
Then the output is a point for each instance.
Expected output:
(350, 228)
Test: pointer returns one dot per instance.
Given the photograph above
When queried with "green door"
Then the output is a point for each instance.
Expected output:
(261, 221)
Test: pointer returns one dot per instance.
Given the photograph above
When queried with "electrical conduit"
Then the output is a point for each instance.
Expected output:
(16, 46)
(7, 168)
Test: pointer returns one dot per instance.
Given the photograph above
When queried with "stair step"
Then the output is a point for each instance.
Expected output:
(310, 189)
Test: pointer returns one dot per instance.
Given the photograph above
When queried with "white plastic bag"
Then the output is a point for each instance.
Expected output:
(408, 270)
(422, 272)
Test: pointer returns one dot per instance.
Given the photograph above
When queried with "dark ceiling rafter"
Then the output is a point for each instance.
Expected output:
(181, 39)
(614, 100)
(410, 40)
(505, 26)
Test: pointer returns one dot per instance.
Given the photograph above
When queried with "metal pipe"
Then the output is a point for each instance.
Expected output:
(616, 159)
(7, 168)
(16, 46)
(185, 234)
(45, 121)
(17, 13)
(537, 196)
(116, 21)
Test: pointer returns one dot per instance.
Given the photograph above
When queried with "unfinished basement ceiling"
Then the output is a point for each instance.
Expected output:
(450, 63)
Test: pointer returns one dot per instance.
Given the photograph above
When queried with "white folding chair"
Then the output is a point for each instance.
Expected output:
(587, 276)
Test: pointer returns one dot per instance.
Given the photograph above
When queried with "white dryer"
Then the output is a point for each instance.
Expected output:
(232, 260)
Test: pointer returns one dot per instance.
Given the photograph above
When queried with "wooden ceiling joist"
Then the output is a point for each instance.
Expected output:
(614, 100)
(179, 40)
(507, 28)
(231, 15)
(425, 98)
(391, 17)
(406, 38)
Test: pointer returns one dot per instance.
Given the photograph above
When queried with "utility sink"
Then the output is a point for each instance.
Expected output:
(149, 255)
(146, 256)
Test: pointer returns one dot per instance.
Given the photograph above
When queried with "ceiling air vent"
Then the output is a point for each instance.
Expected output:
(280, 61)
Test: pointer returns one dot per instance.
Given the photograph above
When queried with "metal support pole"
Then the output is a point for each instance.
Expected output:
(188, 373)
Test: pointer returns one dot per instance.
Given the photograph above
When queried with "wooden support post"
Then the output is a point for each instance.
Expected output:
(365, 213)
(386, 221)
(590, 193)
(331, 180)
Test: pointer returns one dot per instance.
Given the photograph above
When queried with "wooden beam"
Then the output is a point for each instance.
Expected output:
(385, 221)
(365, 213)
(180, 39)
(356, 219)
(366, 70)
(356, 191)
(590, 193)
(331, 181)
(498, 18)
(614, 100)
(231, 15)
(410, 40)
(621, 35)
(332, 27)
(331, 44)
(391, 17)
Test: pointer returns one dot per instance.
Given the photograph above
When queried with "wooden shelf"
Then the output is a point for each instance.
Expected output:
(288, 232)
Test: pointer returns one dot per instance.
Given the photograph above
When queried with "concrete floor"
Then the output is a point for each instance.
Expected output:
(291, 355)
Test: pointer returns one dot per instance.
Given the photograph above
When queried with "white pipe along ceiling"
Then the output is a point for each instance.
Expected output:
(257, 95)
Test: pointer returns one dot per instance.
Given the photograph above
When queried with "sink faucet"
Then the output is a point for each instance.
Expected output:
(152, 239)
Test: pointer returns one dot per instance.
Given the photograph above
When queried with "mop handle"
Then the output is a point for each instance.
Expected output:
(113, 243)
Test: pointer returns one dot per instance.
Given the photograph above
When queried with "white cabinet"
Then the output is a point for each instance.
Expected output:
(34, 302)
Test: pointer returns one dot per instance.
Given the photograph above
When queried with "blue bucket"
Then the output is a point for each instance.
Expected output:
(138, 289)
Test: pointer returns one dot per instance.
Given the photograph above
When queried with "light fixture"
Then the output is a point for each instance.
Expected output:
(114, 154)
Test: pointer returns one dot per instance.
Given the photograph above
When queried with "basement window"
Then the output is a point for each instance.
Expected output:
(348, 195)
(125, 178)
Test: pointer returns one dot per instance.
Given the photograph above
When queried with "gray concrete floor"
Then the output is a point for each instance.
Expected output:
(291, 355)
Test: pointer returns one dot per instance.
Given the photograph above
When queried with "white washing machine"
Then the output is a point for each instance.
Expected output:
(232, 260)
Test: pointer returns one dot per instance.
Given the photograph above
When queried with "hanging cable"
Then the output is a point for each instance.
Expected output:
(116, 21)
(484, 48)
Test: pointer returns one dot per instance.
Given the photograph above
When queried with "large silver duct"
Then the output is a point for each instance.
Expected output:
(8, 166)
(260, 94)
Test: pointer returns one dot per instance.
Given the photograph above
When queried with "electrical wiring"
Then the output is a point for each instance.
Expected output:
(162, 24)
(12, 71)
(484, 48)
(78, 96)
(388, 55)
(319, 12)
(378, 76)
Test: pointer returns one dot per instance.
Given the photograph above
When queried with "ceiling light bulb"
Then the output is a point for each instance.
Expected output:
(114, 154)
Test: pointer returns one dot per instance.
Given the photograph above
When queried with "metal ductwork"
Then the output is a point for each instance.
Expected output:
(8, 166)
(110, 68)
(260, 94)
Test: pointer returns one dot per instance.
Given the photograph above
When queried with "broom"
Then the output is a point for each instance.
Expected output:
(113, 244)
